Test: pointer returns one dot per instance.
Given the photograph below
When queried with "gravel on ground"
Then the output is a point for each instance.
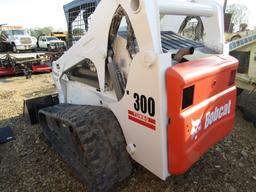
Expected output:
(29, 164)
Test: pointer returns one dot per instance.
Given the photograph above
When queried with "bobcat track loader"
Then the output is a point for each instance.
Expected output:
(130, 90)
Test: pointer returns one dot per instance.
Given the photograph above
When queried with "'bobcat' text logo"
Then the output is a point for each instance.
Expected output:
(217, 113)
(210, 118)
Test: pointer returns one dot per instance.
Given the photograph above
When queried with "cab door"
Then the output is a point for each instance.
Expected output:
(42, 42)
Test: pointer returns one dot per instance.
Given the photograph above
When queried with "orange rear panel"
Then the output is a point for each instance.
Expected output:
(202, 114)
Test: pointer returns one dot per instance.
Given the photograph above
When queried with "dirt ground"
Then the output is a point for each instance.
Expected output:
(29, 164)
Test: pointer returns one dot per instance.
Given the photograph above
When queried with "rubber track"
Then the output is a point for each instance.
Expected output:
(90, 140)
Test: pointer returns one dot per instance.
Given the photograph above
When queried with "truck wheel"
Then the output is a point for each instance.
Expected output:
(49, 48)
(14, 49)
(91, 141)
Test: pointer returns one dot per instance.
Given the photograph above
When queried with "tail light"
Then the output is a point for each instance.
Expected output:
(188, 97)
(232, 78)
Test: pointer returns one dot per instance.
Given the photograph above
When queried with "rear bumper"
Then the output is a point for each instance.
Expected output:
(57, 46)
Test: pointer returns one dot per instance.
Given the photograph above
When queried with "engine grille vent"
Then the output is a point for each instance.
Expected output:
(25, 40)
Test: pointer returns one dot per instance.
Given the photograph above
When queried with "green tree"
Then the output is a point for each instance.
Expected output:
(78, 32)
(239, 14)
(41, 31)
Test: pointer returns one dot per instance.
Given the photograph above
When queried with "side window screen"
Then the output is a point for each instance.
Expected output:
(84, 72)
(188, 97)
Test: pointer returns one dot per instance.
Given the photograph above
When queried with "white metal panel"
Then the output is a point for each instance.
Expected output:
(185, 8)
(151, 145)
(76, 95)
(214, 27)
(145, 23)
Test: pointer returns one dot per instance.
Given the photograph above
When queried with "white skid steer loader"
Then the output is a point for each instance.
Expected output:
(136, 86)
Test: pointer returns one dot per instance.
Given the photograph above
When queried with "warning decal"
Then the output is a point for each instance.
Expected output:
(142, 120)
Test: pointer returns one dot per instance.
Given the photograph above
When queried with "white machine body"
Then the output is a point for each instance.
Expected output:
(145, 133)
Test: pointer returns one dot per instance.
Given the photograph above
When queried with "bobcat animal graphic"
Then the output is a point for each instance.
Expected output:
(196, 127)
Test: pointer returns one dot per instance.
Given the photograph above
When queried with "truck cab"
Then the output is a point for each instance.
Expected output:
(16, 39)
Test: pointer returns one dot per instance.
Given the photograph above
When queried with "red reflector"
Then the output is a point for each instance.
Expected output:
(232, 78)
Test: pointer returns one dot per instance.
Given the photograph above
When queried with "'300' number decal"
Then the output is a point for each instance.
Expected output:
(144, 104)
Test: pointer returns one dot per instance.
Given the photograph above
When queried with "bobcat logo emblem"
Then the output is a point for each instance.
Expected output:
(196, 127)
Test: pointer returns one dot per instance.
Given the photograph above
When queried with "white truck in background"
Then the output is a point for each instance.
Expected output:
(51, 43)
(16, 38)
